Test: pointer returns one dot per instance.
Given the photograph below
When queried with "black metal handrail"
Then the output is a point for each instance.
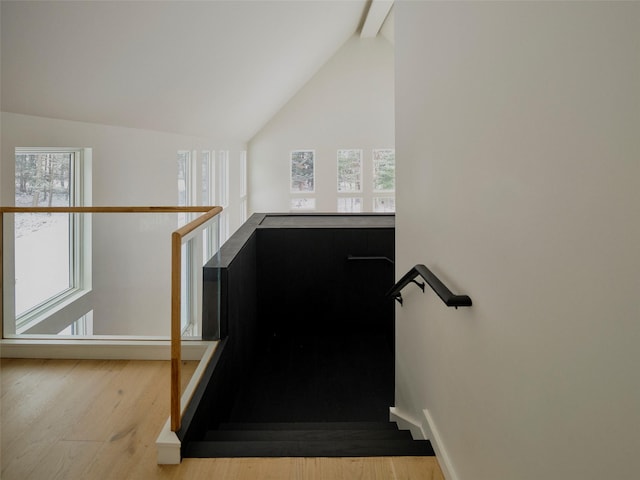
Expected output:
(434, 282)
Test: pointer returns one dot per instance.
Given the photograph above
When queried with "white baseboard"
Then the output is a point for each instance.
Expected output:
(431, 431)
(405, 422)
(99, 349)
(425, 429)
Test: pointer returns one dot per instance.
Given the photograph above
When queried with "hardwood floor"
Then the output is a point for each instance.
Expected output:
(99, 419)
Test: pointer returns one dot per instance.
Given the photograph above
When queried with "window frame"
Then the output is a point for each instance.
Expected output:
(209, 177)
(352, 199)
(243, 187)
(293, 190)
(79, 240)
(307, 209)
(373, 171)
(384, 197)
(223, 178)
(359, 180)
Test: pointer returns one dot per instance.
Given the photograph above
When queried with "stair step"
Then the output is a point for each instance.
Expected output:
(319, 448)
(310, 426)
(306, 435)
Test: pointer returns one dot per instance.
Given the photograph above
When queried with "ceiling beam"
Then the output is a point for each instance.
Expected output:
(378, 11)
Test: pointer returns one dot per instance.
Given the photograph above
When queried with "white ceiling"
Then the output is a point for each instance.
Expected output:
(219, 69)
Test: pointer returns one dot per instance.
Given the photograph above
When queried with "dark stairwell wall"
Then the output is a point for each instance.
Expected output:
(287, 278)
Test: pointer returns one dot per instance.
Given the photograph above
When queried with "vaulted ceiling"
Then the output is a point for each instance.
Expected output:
(218, 69)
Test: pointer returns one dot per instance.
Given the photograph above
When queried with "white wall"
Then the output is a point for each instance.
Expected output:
(518, 164)
(347, 104)
(130, 167)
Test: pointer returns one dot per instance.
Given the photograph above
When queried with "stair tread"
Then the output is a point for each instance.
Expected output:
(309, 426)
(319, 448)
(307, 435)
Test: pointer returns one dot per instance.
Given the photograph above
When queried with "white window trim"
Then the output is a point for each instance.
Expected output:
(80, 258)
(223, 178)
(192, 253)
(210, 234)
(353, 197)
(377, 197)
(243, 174)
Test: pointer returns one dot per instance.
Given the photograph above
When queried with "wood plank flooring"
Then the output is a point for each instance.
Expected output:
(99, 419)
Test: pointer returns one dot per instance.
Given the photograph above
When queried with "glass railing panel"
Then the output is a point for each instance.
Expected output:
(99, 276)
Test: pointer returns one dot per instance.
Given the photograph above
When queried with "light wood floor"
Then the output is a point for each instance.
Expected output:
(95, 419)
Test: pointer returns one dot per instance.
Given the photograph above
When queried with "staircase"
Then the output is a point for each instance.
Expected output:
(303, 439)
(306, 363)
(306, 396)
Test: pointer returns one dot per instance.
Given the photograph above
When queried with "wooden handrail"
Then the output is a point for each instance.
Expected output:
(123, 209)
(177, 238)
(176, 299)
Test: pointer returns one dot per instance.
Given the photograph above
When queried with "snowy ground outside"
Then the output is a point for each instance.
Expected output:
(41, 254)
(42, 259)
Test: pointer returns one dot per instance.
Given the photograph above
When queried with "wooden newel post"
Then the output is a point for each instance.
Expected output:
(176, 337)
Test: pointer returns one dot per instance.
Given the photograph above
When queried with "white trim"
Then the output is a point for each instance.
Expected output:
(243, 174)
(429, 426)
(100, 349)
(168, 444)
(425, 429)
(168, 447)
(377, 14)
(223, 178)
(348, 197)
(405, 422)
(80, 194)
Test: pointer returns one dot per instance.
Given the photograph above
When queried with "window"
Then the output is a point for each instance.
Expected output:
(223, 194)
(51, 258)
(208, 178)
(210, 234)
(384, 170)
(349, 204)
(384, 204)
(223, 228)
(350, 170)
(243, 187)
(302, 171)
(300, 203)
(186, 191)
(243, 174)
(81, 327)
(187, 161)
(185, 194)
(223, 178)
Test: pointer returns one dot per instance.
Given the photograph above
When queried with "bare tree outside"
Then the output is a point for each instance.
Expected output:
(302, 171)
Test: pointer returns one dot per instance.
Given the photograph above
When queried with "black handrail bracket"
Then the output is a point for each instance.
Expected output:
(450, 299)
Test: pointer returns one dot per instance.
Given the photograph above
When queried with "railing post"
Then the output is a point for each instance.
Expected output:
(176, 334)
(1, 274)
